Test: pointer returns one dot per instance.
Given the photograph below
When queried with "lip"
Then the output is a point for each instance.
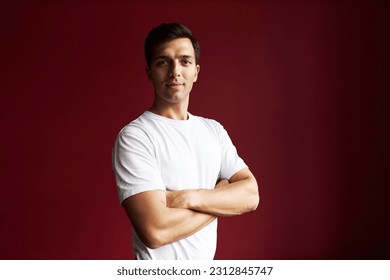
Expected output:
(174, 84)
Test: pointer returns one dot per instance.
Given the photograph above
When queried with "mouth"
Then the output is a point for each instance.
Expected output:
(174, 84)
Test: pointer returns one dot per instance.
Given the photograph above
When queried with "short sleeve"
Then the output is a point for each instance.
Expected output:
(134, 164)
(231, 162)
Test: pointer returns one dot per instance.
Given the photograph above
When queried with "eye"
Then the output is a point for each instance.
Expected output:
(161, 62)
(186, 62)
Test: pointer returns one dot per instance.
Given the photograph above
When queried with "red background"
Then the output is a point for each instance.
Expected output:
(300, 86)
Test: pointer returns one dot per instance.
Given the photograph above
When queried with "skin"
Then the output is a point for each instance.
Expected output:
(229, 198)
(173, 71)
(160, 217)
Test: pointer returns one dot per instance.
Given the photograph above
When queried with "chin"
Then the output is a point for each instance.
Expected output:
(176, 99)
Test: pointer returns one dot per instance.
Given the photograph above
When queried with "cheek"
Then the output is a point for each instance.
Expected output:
(192, 76)
(158, 77)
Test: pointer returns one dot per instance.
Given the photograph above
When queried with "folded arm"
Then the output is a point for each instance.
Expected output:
(156, 224)
(238, 196)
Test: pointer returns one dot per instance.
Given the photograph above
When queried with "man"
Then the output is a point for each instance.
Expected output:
(177, 172)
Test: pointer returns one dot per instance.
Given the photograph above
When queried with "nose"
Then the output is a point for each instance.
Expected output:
(174, 70)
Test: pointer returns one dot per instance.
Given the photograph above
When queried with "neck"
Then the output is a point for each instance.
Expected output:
(172, 111)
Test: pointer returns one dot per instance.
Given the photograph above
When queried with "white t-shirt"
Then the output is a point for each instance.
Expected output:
(158, 153)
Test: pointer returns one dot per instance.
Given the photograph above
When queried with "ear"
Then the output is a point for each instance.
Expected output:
(197, 72)
(148, 74)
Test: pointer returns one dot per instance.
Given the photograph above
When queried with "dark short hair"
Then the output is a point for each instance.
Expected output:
(166, 32)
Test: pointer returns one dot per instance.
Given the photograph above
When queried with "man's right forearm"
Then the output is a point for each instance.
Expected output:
(176, 224)
(158, 225)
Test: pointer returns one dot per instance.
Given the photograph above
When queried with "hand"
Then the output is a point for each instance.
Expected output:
(177, 199)
(221, 183)
(187, 198)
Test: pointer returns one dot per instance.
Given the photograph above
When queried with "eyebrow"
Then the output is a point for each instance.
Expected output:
(164, 57)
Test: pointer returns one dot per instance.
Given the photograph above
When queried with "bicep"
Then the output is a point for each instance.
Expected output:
(144, 210)
(232, 163)
(156, 224)
(242, 174)
(245, 178)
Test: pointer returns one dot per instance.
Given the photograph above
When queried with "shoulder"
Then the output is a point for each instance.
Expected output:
(138, 130)
(143, 125)
(215, 127)
(210, 123)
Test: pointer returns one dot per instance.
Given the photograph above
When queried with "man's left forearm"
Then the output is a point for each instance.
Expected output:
(241, 195)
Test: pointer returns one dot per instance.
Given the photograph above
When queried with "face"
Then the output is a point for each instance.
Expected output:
(173, 70)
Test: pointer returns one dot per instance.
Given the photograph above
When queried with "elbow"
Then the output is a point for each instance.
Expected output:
(255, 202)
(153, 244)
(255, 197)
(252, 203)
(153, 238)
